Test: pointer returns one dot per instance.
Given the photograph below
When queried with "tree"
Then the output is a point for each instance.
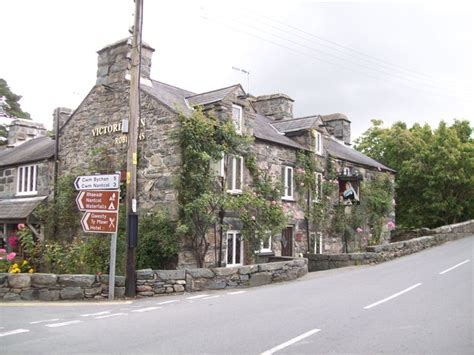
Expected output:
(435, 181)
(11, 107)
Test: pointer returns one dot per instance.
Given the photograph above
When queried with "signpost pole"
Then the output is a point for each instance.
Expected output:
(113, 253)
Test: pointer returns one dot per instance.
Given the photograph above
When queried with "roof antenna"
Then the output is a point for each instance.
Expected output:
(248, 77)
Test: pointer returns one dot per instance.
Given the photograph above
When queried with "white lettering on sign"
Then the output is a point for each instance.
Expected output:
(97, 182)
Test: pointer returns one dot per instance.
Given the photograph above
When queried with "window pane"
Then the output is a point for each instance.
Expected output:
(237, 248)
(230, 169)
(238, 173)
(32, 179)
(230, 247)
(236, 117)
(290, 182)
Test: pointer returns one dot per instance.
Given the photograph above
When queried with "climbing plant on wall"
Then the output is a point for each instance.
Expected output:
(204, 141)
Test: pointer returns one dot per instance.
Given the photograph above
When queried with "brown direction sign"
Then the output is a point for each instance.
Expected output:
(100, 222)
(99, 200)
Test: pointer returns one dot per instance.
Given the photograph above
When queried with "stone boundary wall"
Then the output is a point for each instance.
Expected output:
(158, 282)
(399, 235)
(51, 287)
(384, 252)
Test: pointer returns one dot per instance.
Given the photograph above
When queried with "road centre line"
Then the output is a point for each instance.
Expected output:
(236, 292)
(111, 315)
(16, 331)
(290, 342)
(44, 321)
(196, 297)
(145, 309)
(392, 296)
(211, 297)
(167, 302)
(95, 314)
(455, 266)
(55, 325)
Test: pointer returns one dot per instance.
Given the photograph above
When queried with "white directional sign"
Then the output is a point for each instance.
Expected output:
(97, 182)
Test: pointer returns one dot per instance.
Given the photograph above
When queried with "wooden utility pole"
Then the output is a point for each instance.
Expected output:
(132, 157)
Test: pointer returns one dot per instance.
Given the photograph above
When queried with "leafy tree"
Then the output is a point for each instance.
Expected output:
(435, 181)
(12, 108)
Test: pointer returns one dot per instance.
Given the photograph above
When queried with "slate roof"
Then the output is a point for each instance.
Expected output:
(263, 130)
(19, 208)
(341, 151)
(210, 96)
(296, 124)
(30, 151)
(172, 96)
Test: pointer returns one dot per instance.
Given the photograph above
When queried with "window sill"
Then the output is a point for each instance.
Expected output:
(27, 193)
(288, 199)
(234, 192)
(266, 252)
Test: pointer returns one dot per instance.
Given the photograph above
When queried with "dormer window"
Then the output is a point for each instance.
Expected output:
(237, 118)
(318, 143)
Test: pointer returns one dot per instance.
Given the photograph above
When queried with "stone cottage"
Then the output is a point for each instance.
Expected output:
(93, 139)
(26, 172)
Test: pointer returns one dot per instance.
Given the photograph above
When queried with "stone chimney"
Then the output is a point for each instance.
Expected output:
(114, 62)
(277, 106)
(63, 113)
(340, 126)
(21, 131)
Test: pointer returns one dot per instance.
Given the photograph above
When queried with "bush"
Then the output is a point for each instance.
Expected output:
(157, 243)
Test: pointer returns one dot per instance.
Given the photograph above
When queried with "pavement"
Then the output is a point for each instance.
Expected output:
(417, 304)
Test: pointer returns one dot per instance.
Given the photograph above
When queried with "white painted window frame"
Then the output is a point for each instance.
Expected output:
(234, 237)
(287, 189)
(238, 120)
(25, 175)
(233, 163)
(318, 143)
(319, 237)
(266, 248)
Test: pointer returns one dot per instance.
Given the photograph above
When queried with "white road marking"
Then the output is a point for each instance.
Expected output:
(44, 321)
(195, 297)
(95, 314)
(146, 309)
(290, 342)
(55, 325)
(16, 331)
(455, 266)
(111, 315)
(211, 297)
(167, 302)
(392, 296)
(236, 292)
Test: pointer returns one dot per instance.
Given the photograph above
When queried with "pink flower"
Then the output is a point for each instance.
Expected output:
(2, 251)
(300, 171)
(359, 230)
(391, 225)
(11, 256)
(274, 202)
(20, 226)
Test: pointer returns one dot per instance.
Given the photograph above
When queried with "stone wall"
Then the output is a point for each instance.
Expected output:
(158, 282)
(380, 253)
(50, 287)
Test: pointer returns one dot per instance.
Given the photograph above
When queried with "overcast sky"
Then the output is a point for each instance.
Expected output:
(408, 61)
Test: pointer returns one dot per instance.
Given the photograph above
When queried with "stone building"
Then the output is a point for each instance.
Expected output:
(94, 140)
(26, 173)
